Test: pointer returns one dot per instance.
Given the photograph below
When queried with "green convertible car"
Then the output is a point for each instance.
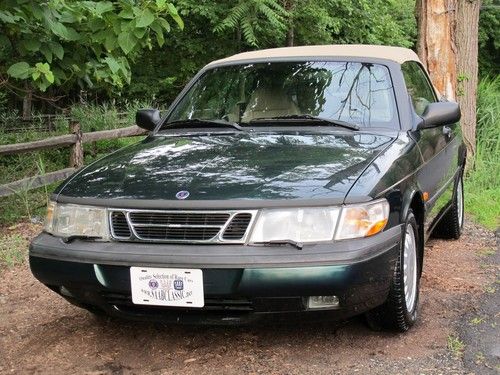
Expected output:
(297, 181)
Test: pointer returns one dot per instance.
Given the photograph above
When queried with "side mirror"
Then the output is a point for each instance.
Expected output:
(147, 118)
(440, 113)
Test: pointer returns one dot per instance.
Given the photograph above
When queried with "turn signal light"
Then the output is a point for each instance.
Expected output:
(363, 220)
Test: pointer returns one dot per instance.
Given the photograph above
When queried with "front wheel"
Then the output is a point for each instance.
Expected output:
(399, 311)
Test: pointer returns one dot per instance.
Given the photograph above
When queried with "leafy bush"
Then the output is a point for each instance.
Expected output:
(83, 43)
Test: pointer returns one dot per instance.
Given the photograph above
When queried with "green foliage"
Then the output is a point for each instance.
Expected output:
(160, 74)
(455, 346)
(89, 43)
(361, 21)
(489, 38)
(482, 185)
(265, 22)
(252, 17)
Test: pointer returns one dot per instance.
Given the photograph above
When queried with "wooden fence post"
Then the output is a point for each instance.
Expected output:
(76, 150)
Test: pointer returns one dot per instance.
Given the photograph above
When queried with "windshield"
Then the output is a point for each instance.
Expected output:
(353, 92)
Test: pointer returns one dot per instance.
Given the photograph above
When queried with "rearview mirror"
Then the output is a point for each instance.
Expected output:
(440, 113)
(147, 118)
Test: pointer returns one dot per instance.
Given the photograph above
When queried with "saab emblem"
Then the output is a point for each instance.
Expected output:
(183, 194)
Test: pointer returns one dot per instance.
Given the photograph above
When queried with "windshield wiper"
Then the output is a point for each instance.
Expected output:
(307, 117)
(198, 123)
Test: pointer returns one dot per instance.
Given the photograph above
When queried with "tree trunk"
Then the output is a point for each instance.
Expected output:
(288, 5)
(448, 47)
(238, 39)
(27, 103)
(436, 45)
(466, 37)
(290, 36)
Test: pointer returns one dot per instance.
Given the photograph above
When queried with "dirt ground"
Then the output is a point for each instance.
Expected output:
(41, 333)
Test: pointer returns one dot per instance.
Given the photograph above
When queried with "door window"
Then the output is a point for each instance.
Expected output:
(419, 88)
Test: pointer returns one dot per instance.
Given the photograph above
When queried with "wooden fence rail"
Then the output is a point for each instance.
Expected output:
(75, 140)
(35, 182)
(52, 142)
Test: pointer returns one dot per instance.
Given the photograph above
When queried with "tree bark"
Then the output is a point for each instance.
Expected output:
(466, 36)
(289, 5)
(238, 39)
(290, 36)
(27, 103)
(436, 44)
(448, 47)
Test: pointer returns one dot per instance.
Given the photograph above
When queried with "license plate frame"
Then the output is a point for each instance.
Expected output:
(174, 287)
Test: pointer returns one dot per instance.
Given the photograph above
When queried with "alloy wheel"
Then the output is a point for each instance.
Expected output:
(410, 268)
(460, 203)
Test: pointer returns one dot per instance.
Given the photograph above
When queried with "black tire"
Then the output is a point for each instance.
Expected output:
(451, 224)
(394, 314)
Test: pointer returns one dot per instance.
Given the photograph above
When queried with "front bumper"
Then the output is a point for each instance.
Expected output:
(241, 283)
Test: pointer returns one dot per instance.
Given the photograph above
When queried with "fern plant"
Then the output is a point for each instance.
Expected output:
(247, 16)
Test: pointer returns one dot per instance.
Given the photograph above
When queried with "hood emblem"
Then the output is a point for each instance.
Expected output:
(183, 194)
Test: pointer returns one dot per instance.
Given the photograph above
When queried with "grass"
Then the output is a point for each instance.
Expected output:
(490, 289)
(12, 250)
(482, 183)
(484, 253)
(59, 127)
(455, 346)
(480, 357)
(13, 208)
(477, 320)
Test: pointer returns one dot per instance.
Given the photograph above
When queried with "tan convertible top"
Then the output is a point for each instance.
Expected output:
(397, 54)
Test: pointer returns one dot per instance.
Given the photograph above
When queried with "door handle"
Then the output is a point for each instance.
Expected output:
(447, 131)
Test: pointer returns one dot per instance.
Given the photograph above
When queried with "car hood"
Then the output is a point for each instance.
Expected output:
(243, 165)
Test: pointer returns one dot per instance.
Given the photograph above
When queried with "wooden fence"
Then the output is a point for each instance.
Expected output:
(75, 140)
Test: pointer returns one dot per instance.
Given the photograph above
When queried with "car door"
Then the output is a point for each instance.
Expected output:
(438, 147)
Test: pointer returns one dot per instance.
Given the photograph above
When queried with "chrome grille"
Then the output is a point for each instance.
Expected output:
(237, 227)
(183, 218)
(166, 233)
(181, 226)
(119, 225)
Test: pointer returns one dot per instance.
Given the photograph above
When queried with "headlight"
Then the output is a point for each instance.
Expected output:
(306, 225)
(68, 220)
(298, 224)
(363, 220)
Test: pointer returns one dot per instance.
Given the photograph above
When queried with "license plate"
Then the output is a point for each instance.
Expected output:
(167, 286)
